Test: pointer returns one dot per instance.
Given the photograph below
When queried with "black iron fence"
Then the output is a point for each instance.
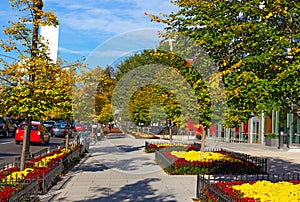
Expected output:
(249, 164)
(12, 164)
(16, 162)
(259, 162)
(50, 178)
(29, 192)
(208, 183)
(50, 149)
(42, 180)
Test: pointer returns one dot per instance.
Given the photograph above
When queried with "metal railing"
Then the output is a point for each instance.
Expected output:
(14, 163)
(28, 191)
(258, 164)
(30, 186)
(50, 178)
(208, 183)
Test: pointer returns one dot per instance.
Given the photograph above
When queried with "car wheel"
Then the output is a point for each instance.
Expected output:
(17, 142)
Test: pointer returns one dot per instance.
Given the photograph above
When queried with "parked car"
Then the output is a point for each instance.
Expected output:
(7, 126)
(60, 130)
(38, 133)
(78, 127)
(48, 124)
(87, 126)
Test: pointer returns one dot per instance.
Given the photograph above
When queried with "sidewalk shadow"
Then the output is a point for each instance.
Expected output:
(115, 135)
(279, 166)
(115, 149)
(126, 148)
(139, 191)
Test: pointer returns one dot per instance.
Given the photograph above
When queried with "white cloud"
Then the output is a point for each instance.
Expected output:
(66, 50)
(86, 24)
(123, 45)
(114, 16)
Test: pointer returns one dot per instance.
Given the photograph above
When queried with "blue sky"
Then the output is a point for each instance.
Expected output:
(88, 25)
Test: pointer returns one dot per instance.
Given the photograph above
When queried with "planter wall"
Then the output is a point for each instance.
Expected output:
(28, 193)
(271, 142)
(31, 187)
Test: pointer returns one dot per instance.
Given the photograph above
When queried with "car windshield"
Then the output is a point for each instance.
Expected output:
(33, 127)
(49, 122)
(60, 126)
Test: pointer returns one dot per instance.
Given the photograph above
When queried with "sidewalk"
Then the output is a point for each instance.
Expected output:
(117, 169)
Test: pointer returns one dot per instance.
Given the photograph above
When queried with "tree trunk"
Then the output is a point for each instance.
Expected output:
(203, 137)
(170, 132)
(23, 153)
(68, 135)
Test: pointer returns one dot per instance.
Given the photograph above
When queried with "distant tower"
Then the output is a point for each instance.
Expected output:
(50, 35)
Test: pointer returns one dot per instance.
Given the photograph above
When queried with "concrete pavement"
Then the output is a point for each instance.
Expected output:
(117, 169)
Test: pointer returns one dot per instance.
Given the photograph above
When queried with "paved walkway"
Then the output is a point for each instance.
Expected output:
(117, 169)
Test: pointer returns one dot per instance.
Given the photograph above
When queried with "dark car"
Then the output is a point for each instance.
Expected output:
(60, 130)
(48, 124)
(87, 126)
(38, 133)
(7, 126)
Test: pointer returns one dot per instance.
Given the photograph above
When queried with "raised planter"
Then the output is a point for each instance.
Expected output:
(167, 146)
(40, 177)
(29, 191)
(271, 140)
(230, 162)
(218, 187)
(50, 178)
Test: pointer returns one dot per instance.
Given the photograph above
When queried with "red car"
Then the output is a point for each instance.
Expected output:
(78, 127)
(38, 133)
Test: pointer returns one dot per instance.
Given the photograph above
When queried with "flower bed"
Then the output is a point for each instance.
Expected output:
(46, 169)
(262, 190)
(166, 146)
(139, 135)
(210, 162)
(25, 190)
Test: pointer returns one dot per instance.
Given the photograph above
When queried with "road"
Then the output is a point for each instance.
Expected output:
(9, 150)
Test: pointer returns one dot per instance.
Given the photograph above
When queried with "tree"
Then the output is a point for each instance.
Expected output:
(150, 96)
(104, 110)
(36, 88)
(84, 94)
(162, 78)
(255, 45)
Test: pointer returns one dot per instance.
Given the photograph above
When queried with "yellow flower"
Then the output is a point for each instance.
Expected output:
(203, 156)
(268, 191)
(15, 176)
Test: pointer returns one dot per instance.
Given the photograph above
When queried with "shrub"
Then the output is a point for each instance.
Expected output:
(271, 136)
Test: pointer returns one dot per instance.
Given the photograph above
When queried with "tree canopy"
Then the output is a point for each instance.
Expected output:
(162, 78)
(255, 45)
(34, 85)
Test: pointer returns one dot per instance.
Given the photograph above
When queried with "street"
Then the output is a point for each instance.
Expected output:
(9, 150)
